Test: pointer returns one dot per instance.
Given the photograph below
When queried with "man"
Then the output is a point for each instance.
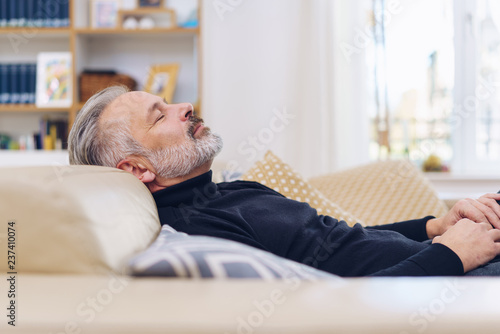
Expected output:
(171, 151)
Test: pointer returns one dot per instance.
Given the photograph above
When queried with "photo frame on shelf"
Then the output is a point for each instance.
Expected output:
(104, 13)
(54, 86)
(162, 80)
(149, 3)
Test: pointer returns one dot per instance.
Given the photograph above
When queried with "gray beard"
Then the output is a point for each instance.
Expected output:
(180, 160)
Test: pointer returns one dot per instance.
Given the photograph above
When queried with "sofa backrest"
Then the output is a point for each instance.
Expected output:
(73, 219)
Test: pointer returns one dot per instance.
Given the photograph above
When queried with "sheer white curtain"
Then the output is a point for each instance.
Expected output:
(275, 77)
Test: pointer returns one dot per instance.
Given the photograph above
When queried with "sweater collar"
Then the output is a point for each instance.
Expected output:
(185, 192)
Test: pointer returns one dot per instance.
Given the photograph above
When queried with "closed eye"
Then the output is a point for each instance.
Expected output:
(160, 118)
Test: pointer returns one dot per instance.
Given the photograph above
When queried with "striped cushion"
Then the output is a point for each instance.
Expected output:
(175, 254)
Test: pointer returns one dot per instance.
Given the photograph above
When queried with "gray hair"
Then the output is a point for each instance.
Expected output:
(94, 142)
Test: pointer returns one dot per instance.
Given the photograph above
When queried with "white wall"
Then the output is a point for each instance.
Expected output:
(267, 57)
(245, 57)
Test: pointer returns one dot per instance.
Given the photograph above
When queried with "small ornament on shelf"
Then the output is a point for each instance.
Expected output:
(191, 21)
(146, 22)
(147, 18)
(433, 163)
(130, 23)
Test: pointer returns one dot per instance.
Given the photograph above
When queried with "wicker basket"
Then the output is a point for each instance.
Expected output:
(92, 82)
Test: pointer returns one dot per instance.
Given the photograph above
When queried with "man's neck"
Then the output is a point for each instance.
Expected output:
(161, 183)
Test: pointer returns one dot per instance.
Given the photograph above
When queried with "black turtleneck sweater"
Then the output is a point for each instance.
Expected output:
(253, 214)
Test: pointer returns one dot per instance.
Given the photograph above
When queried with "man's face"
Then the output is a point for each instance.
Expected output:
(175, 141)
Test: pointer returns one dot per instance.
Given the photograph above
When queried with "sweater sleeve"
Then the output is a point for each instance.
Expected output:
(412, 229)
(435, 260)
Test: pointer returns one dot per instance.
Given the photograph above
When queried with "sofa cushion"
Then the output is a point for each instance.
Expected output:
(274, 173)
(176, 254)
(382, 192)
(75, 219)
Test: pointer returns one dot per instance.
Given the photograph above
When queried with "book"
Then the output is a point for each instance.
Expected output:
(38, 14)
(43, 132)
(12, 13)
(21, 13)
(32, 83)
(7, 80)
(24, 83)
(3, 13)
(30, 12)
(3, 83)
(4, 141)
(14, 83)
(64, 13)
(51, 13)
(38, 141)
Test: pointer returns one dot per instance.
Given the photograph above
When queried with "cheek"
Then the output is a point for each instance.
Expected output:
(161, 139)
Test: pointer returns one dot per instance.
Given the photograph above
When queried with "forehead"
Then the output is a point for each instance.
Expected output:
(131, 105)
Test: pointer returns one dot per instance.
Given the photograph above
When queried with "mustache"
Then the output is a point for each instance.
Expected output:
(194, 122)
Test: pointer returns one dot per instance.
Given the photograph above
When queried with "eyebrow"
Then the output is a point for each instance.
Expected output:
(152, 108)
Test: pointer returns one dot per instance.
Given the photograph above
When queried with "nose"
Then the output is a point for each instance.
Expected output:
(185, 111)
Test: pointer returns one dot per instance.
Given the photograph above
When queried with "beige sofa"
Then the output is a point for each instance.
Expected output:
(77, 227)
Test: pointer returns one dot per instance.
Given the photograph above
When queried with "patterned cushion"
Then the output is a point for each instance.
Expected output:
(175, 254)
(382, 192)
(276, 174)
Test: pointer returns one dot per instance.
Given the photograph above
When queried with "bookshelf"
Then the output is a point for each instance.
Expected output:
(129, 52)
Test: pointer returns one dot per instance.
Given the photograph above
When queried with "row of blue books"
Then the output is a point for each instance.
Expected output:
(17, 83)
(34, 13)
(52, 135)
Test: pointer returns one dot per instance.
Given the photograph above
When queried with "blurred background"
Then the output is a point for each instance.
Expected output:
(325, 84)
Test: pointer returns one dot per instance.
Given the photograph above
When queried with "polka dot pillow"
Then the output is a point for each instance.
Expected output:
(277, 175)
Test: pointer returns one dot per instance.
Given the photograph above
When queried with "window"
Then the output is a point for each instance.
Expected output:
(436, 65)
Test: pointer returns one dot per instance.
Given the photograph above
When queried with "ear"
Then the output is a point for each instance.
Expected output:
(140, 171)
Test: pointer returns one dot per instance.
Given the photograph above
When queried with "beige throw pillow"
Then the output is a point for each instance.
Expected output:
(277, 175)
(382, 192)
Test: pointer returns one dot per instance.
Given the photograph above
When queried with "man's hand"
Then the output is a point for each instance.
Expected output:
(474, 243)
(483, 210)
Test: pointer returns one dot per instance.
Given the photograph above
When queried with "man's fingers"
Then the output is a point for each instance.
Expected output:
(493, 205)
(470, 211)
(495, 234)
(496, 238)
(487, 226)
(495, 196)
(485, 211)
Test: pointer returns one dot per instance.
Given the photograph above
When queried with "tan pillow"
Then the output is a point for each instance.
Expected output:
(74, 219)
(382, 192)
(277, 175)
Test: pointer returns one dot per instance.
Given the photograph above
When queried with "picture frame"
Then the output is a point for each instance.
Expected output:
(149, 3)
(162, 80)
(104, 13)
(54, 82)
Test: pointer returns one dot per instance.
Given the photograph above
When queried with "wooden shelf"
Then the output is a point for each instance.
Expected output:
(92, 31)
(146, 11)
(29, 108)
(120, 31)
(32, 31)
